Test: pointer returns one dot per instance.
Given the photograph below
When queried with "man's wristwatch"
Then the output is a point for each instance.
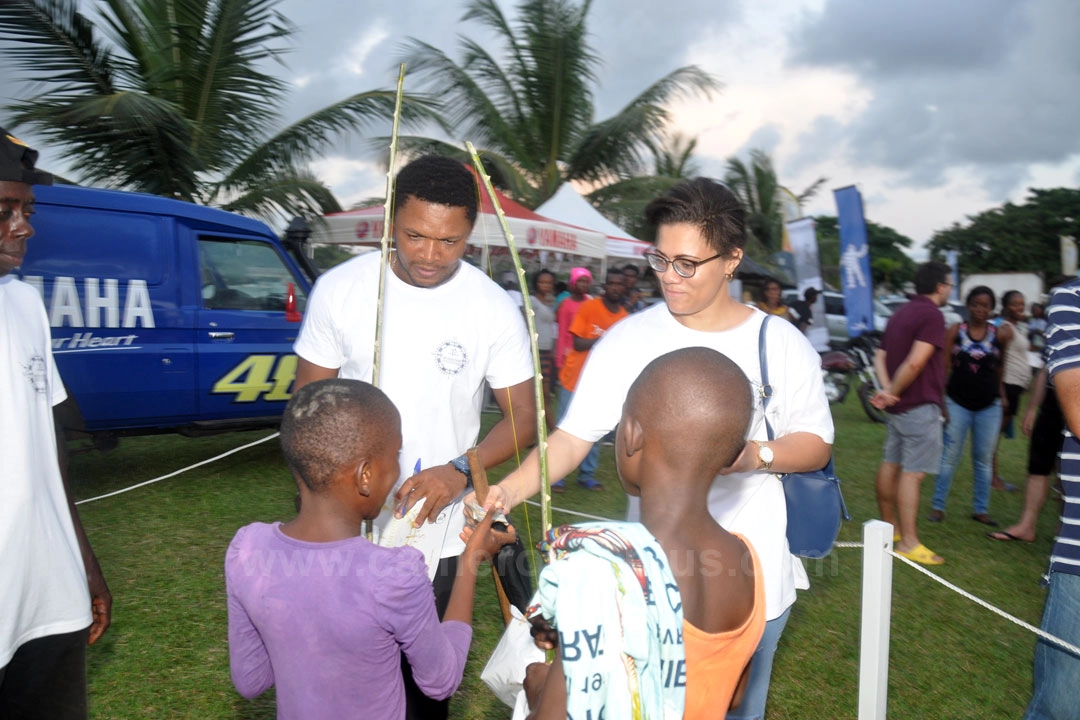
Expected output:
(461, 464)
(764, 454)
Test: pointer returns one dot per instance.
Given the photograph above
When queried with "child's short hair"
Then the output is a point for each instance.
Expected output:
(333, 423)
(698, 402)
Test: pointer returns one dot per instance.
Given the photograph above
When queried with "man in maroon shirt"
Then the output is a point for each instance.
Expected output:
(911, 369)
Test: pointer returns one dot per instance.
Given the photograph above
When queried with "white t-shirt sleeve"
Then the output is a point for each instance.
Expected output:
(798, 403)
(510, 361)
(320, 339)
(610, 369)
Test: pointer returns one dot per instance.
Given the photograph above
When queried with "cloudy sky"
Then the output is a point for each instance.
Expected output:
(935, 109)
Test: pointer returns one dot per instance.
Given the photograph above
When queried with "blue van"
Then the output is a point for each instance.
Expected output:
(166, 316)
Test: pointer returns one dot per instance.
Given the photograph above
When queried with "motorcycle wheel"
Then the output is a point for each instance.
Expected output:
(866, 390)
(836, 385)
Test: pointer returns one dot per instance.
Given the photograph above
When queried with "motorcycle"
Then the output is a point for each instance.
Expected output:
(854, 367)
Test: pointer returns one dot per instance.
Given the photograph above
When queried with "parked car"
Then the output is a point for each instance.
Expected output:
(836, 318)
(954, 310)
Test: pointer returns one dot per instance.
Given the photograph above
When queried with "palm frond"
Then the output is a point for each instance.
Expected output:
(53, 43)
(311, 135)
(283, 196)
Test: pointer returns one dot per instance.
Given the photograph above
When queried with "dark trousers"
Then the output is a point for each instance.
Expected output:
(419, 706)
(46, 679)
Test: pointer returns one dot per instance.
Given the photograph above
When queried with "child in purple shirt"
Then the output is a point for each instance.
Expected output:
(318, 611)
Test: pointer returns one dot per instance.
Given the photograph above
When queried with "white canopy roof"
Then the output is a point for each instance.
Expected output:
(531, 230)
(567, 206)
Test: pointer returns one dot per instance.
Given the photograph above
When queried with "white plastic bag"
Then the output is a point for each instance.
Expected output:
(505, 669)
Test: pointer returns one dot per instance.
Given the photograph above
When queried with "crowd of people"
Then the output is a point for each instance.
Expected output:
(689, 597)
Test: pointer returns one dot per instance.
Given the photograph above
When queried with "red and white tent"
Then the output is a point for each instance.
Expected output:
(532, 232)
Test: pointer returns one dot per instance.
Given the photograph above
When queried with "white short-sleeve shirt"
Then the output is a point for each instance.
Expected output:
(439, 345)
(42, 576)
(751, 504)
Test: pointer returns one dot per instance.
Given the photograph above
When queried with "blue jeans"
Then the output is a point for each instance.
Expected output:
(984, 426)
(1057, 672)
(752, 706)
(587, 468)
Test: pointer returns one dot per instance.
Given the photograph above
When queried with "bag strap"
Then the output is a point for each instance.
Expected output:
(766, 388)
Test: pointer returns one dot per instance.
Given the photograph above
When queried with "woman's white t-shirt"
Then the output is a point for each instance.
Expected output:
(751, 504)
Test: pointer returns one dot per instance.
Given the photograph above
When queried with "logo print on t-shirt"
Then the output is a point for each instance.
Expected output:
(34, 370)
(450, 357)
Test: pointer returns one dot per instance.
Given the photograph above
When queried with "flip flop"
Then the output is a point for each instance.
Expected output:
(558, 487)
(1006, 536)
(984, 519)
(922, 555)
(896, 538)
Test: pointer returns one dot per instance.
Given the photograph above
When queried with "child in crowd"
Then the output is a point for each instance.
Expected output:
(318, 611)
(668, 651)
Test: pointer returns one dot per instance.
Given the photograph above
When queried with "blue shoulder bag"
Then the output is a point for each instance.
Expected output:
(815, 506)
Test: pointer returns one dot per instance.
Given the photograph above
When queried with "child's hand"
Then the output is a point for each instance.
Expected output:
(545, 636)
(484, 541)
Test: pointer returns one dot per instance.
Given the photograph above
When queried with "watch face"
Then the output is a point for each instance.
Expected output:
(766, 454)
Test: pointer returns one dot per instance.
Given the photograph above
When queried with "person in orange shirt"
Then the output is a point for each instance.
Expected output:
(683, 423)
(590, 323)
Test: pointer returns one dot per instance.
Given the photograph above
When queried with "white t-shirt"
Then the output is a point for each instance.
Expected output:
(751, 504)
(439, 346)
(42, 576)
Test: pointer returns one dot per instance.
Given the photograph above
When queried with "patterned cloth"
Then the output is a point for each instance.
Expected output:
(1063, 353)
(611, 595)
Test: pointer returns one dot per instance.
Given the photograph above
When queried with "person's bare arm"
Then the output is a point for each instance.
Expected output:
(583, 344)
(909, 369)
(309, 372)
(552, 701)
(1038, 394)
(441, 484)
(565, 452)
(1067, 387)
(797, 452)
(100, 597)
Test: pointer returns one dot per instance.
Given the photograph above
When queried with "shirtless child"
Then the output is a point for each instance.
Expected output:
(684, 421)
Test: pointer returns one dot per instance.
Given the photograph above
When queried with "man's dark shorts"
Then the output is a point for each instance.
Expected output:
(913, 439)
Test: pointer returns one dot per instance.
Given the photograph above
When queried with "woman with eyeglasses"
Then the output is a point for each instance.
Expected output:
(701, 231)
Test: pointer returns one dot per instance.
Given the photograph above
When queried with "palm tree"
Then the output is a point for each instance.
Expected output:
(532, 117)
(761, 193)
(170, 97)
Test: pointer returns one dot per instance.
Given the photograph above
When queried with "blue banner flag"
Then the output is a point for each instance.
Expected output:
(854, 262)
(953, 261)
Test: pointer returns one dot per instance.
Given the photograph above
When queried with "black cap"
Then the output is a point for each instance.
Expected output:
(17, 162)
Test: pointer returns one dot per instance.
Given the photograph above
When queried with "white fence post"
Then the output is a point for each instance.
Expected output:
(876, 616)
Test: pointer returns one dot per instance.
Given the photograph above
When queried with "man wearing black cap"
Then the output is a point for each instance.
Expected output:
(55, 600)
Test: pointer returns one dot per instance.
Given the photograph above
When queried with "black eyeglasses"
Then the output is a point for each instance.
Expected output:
(684, 266)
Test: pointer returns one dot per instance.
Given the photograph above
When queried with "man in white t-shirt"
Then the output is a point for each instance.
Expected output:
(447, 328)
(53, 597)
(700, 235)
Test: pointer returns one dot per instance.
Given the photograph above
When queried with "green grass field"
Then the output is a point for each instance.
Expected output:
(166, 655)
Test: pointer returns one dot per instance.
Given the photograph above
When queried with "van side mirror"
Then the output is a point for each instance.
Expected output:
(291, 315)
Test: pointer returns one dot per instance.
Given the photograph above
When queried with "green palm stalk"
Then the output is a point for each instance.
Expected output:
(530, 320)
(385, 243)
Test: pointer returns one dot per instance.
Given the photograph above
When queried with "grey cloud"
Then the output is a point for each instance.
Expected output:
(988, 89)
(913, 36)
(640, 42)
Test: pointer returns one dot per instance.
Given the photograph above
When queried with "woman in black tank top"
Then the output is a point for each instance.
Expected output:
(974, 396)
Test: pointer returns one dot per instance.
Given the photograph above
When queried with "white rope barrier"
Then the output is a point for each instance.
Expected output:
(960, 591)
(570, 512)
(178, 472)
(997, 611)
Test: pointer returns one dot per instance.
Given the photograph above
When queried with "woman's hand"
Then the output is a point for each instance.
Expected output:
(497, 498)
